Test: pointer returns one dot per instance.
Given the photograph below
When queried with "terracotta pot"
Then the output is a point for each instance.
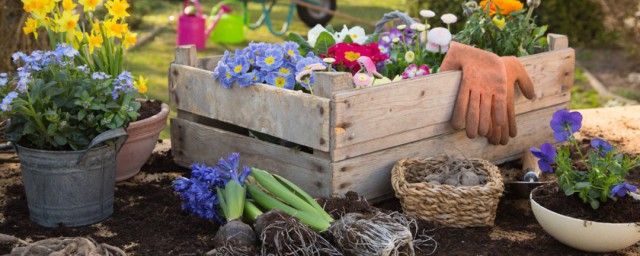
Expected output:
(143, 136)
(585, 235)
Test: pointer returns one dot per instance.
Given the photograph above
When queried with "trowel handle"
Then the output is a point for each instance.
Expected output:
(530, 163)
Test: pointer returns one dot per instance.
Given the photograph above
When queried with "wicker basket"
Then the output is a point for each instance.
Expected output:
(465, 206)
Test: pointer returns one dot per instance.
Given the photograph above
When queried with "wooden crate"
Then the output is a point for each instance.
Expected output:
(352, 136)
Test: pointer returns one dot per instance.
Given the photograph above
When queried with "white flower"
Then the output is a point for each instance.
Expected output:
(432, 47)
(357, 34)
(418, 27)
(427, 13)
(401, 27)
(409, 56)
(340, 36)
(395, 40)
(329, 60)
(314, 33)
(449, 18)
(440, 36)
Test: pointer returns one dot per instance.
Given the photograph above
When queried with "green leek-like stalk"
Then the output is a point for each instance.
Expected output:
(270, 184)
(251, 211)
(302, 194)
(232, 200)
(312, 219)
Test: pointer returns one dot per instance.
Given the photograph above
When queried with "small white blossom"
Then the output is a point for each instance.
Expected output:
(427, 13)
(449, 18)
(401, 27)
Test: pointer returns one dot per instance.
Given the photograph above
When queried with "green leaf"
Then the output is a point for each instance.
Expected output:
(371, 39)
(303, 46)
(60, 140)
(330, 29)
(81, 114)
(324, 42)
(581, 185)
(222, 201)
(347, 39)
(594, 203)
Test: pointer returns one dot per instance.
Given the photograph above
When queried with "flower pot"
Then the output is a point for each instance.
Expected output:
(590, 236)
(73, 188)
(143, 135)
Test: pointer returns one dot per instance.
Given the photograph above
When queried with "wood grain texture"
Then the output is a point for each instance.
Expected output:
(417, 104)
(186, 55)
(291, 115)
(196, 143)
(209, 64)
(557, 42)
(370, 175)
(328, 83)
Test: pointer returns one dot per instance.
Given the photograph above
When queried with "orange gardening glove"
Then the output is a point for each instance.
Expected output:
(515, 73)
(482, 95)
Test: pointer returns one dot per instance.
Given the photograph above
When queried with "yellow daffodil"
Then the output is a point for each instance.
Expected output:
(67, 22)
(114, 29)
(89, 5)
(68, 5)
(130, 39)
(31, 26)
(94, 40)
(117, 8)
(74, 38)
(141, 84)
(40, 8)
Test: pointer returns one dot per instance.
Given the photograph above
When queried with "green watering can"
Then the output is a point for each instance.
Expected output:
(230, 27)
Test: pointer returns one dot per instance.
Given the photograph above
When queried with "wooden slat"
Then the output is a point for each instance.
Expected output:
(291, 115)
(192, 142)
(186, 55)
(557, 42)
(417, 134)
(328, 83)
(209, 64)
(378, 112)
(370, 175)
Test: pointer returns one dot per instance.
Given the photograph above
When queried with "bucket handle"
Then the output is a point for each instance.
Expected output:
(120, 134)
(223, 8)
(186, 3)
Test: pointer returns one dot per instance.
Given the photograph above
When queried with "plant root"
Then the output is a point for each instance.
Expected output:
(235, 234)
(378, 234)
(61, 246)
(282, 234)
(455, 172)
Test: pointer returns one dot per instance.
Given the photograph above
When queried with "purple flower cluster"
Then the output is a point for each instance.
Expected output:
(198, 193)
(3, 79)
(307, 63)
(602, 147)
(622, 190)
(565, 123)
(546, 154)
(385, 41)
(274, 64)
(6, 102)
(124, 83)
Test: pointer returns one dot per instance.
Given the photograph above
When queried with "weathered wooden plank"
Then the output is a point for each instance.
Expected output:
(557, 42)
(370, 175)
(327, 83)
(192, 142)
(186, 55)
(441, 128)
(291, 115)
(209, 64)
(377, 112)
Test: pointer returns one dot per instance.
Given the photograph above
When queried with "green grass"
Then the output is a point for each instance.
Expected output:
(152, 59)
(582, 96)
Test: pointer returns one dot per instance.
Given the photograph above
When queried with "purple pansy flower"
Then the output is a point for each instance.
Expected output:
(565, 123)
(601, 146)
(622, 189)
(546, 154)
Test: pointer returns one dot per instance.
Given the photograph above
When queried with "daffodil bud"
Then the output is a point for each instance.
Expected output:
(533, 3)
(499, 21)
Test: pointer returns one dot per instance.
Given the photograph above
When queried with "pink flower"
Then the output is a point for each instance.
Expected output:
(362, 79)
(413, 71)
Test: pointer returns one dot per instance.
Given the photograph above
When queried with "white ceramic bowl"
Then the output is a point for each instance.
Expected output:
(586, 235)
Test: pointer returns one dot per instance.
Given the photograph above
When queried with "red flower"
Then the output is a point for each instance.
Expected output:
(348, 54)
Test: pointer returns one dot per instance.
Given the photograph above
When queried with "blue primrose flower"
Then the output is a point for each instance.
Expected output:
(271, 60)
(277, 79)
(253, 51)
(223, 73)
(251, 78)
(601, 146)
(622, 190)
(291, 50)
(546, 154)
(565, 123)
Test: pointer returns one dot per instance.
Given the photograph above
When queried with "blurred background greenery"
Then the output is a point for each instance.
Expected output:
(592, 25)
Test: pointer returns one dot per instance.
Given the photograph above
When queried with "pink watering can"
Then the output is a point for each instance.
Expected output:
(192, 28)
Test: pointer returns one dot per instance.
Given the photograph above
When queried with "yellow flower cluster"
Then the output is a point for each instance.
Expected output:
(65, 20)
(110, 35)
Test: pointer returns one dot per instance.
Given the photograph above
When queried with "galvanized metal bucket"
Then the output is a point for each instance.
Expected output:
(72, 188)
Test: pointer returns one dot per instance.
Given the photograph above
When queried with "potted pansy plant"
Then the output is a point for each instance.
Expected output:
(591, 185)
(101, 45)
(69, 107)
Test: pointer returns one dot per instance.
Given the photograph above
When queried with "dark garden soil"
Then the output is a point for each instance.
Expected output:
(148, 108)
(148, 220)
